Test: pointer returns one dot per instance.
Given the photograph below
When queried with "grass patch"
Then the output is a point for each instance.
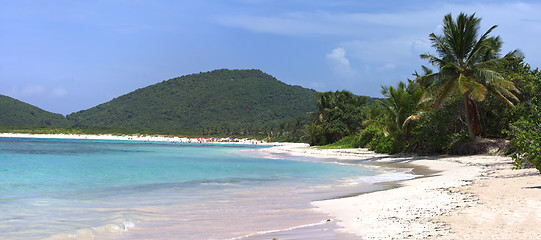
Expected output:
(345, 142)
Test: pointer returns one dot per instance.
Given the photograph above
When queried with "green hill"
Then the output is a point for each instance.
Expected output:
(211, 99)
(19, 114)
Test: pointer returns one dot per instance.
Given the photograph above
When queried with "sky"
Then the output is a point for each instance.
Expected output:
(70, 55)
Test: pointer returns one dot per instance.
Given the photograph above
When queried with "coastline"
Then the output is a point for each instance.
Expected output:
(140, 138)
(468, 197)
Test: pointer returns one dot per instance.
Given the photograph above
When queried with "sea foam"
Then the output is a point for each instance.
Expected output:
(391, 176)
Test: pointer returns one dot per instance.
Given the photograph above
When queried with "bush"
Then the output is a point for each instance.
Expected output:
(526, 136)
(346, 142)
(382, 144)
(435, 132)
(368, 135)
(376, 140)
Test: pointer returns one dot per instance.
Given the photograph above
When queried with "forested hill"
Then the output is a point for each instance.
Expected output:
(211, 99)
(16, 113)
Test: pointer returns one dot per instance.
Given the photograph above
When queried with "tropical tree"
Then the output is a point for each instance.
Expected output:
(402, 105)
(339, 115)
(423, 82)
(468, 65)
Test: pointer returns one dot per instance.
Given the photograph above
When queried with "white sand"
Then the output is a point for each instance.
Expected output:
(135, 138)
(474, 197)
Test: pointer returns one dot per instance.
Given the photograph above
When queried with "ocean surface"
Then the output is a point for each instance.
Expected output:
(106, 189)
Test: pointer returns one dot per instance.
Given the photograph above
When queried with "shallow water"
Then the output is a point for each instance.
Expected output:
(85, 189)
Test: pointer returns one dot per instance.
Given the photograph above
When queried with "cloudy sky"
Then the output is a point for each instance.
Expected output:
(69, 55)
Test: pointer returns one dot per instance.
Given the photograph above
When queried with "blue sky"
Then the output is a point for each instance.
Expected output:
(70, 55)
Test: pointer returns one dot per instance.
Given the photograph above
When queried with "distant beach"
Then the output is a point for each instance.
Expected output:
(153, 138)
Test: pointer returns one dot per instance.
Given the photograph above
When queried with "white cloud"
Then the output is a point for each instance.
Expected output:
(355, 23)
(59, 92)
(288, 24)
(341, 66)
(36, 90)
(32, 90)
(420, 45)
(387, 67)
(331, 23)
(397, 33)
(397, 51)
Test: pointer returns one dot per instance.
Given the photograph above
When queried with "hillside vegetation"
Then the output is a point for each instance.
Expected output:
(16, 113)
(216, 99)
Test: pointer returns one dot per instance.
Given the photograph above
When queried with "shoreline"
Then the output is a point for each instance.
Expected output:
(465, 197)
(153, 138)
(457, 197)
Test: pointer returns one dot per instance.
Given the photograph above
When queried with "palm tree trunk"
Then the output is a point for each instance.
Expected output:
(472, 117)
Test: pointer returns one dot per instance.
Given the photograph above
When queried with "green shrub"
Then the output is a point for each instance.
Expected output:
(383, 144)
(374, 138)
(436, 132)
(526, 136)
(345, 142)
(368, 134)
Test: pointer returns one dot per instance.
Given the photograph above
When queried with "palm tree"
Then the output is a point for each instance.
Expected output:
(338, 115)
(402, 105)
(468, 65)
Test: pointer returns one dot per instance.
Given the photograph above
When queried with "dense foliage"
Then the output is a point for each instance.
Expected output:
(473, 94)
(15, 113)
(526, 130)
(526, 140)
(220, 101)
(339, 114)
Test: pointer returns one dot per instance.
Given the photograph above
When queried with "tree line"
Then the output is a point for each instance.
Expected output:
(469, 92)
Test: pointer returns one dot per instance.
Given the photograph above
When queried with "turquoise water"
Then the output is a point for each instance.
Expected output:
(84, 189)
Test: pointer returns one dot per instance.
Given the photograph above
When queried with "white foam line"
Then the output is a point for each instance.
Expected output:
(382, 178)
(281, 230)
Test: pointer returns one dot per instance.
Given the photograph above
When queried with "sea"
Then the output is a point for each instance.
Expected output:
(111, 189)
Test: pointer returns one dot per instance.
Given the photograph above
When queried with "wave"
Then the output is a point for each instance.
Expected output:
(391, 176)
(280, 230)
(115, 228)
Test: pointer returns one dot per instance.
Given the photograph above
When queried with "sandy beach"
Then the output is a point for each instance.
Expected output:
(466, 197)
(139, 138)
(457, 197)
